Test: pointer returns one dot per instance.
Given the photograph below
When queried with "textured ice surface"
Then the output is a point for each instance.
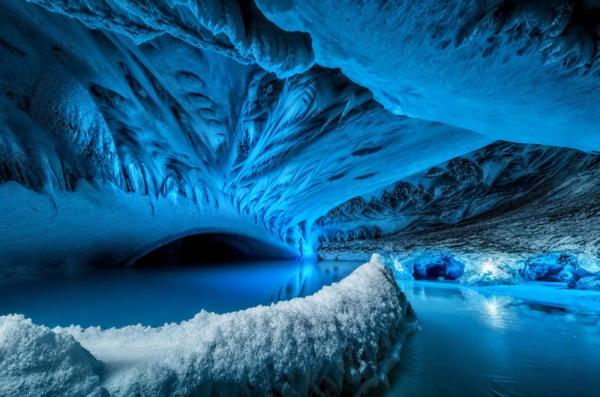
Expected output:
(172, 117)
(483, 268)
(510, 204)
(301, 119)
(343, 338)
(70, 232)
(553, 267)
(236, 29)
(523, 71)
(485, 183)
(590, 282)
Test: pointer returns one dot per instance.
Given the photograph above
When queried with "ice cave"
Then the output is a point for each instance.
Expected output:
(299, 198)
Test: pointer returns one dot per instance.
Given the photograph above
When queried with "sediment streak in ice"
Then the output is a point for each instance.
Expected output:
(341, 339)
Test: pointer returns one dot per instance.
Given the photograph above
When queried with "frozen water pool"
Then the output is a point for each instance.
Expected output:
(476, 342)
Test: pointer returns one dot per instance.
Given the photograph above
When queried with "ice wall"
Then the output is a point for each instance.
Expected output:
(271, 113)
(523, 71)
(505, 202)
(499, 178)
(126, 104)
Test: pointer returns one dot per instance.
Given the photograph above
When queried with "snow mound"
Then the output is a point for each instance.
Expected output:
(35, 361)
(342, 339)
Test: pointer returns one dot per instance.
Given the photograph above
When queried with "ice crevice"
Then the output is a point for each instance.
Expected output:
(343, 338)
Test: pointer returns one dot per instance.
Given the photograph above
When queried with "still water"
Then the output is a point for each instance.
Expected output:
(479, 344)
(471, 343)
(119, 297)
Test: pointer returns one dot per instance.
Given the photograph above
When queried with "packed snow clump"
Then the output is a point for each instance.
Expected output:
(342, 339)
(36, 361)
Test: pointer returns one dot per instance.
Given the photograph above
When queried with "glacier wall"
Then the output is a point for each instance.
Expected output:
(524, 71)
(507, 213)
(488, 182)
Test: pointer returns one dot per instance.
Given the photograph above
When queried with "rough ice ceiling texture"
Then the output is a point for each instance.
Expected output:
(491, 181)
(233, 28)
(214, 103)
(519, 213)
(342, 339)
(524, 71)
(160, 116)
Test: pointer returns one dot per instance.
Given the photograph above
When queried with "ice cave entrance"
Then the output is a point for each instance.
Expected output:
(196, 249)
(173, 280)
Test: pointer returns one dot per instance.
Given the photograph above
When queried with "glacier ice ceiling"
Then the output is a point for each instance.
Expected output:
(459, 139)
(260, 118)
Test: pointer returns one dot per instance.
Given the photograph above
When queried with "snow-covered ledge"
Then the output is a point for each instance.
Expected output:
(343, 338)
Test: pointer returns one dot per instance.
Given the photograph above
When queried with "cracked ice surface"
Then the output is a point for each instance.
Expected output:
(343, 338)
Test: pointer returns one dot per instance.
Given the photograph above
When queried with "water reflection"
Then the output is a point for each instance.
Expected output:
(477, 344)
(121, 297)
(471, 343)
(311, 276)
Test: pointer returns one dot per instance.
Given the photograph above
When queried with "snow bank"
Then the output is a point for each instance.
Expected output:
(343, 338)
(35, 361)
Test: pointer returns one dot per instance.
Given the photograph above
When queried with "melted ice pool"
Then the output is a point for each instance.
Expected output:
(477, 343)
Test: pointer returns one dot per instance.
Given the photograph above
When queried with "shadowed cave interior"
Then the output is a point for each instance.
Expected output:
(197, 249)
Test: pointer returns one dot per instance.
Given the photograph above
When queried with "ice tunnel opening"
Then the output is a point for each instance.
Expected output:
(204, 248)
(172, 280)
(436, 267)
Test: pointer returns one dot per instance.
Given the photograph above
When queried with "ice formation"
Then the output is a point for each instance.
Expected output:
(484, 268)
(342, 339)
(522, 71)
(268, 116)
(330, 128)
(164, 117)
(528, 209)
